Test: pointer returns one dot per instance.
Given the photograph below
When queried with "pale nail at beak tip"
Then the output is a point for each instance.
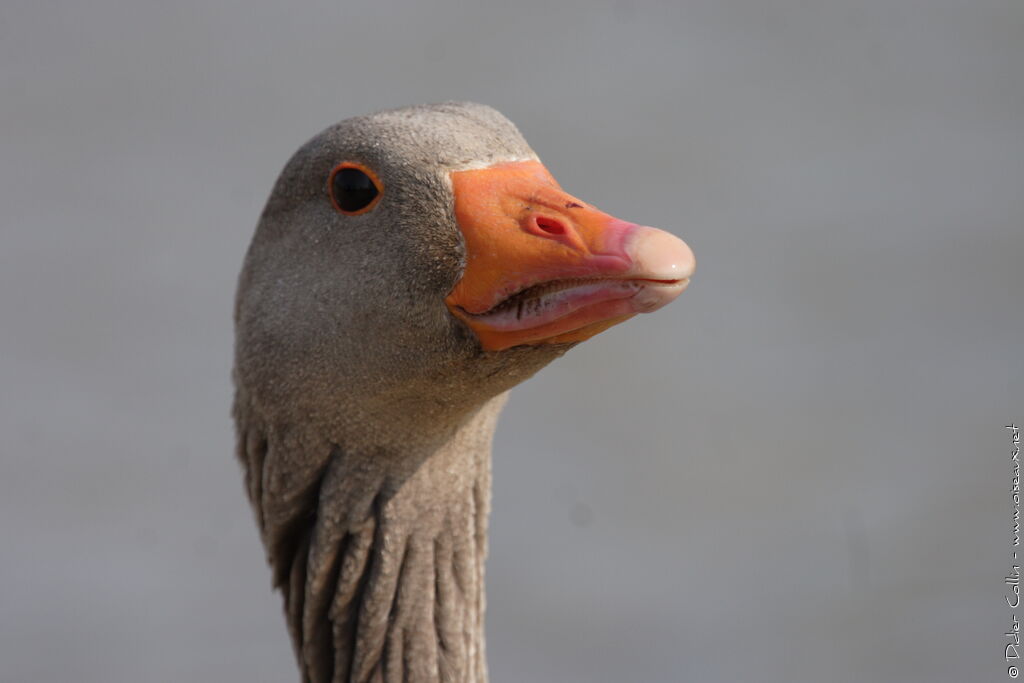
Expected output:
(659, 255)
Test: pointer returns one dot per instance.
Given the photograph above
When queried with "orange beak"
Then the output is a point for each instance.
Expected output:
(543, 267)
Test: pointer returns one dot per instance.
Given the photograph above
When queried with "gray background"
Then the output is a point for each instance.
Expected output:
(795, 473)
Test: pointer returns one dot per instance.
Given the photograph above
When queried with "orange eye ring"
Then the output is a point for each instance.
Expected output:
(354, 189)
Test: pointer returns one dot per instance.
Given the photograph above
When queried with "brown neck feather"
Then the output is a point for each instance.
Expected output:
(379, 555)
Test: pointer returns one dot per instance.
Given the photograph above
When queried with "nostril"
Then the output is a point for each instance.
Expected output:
(550, 225)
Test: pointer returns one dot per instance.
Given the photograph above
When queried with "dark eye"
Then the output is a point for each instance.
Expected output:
(353, 189)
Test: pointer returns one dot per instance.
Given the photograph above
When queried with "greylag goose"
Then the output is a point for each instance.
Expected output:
(410, 267)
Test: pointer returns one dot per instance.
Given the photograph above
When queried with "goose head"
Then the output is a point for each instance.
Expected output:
(420, 261)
